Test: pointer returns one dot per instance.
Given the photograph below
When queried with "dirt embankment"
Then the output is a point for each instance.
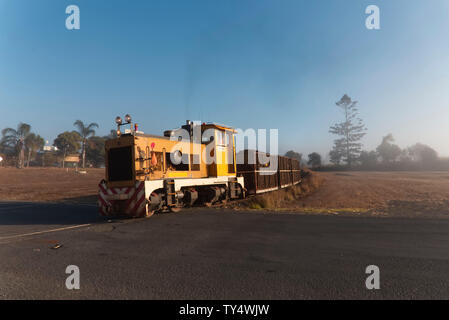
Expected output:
(282, 199)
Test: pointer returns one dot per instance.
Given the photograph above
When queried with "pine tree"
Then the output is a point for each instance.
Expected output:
(351, 131)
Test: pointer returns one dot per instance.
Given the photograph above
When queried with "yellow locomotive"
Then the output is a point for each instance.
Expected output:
(147, 173)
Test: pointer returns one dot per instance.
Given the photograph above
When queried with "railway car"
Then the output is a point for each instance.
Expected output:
(259, 178)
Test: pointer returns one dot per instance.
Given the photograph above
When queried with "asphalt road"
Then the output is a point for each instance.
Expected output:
(218, 254)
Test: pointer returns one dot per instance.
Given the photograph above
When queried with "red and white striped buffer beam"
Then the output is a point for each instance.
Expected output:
(128, 201)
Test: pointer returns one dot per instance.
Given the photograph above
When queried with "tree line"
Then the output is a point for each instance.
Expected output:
(347, 152)
(23, 148)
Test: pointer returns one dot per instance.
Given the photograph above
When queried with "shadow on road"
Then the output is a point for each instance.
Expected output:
(29, 213)
(92, 200)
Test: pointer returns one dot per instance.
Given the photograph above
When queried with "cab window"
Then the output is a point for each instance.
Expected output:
(221, 138)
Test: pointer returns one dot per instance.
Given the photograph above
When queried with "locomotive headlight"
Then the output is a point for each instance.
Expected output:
(118, 120)
(128, 118)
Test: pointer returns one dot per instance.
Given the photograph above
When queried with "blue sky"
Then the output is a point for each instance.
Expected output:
(247, 63)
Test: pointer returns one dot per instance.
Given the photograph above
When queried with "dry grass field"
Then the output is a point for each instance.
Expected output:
(373, 193)
(370, 190)
(399, 194)
(49, 184)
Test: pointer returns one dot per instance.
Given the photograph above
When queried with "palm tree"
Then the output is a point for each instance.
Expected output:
(33, 143)
(112, 134)
(85, 132)
(15, 139)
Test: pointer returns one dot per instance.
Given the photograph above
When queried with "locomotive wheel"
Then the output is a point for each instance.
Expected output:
(175, 209)
(153, 207)
(149, 212)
